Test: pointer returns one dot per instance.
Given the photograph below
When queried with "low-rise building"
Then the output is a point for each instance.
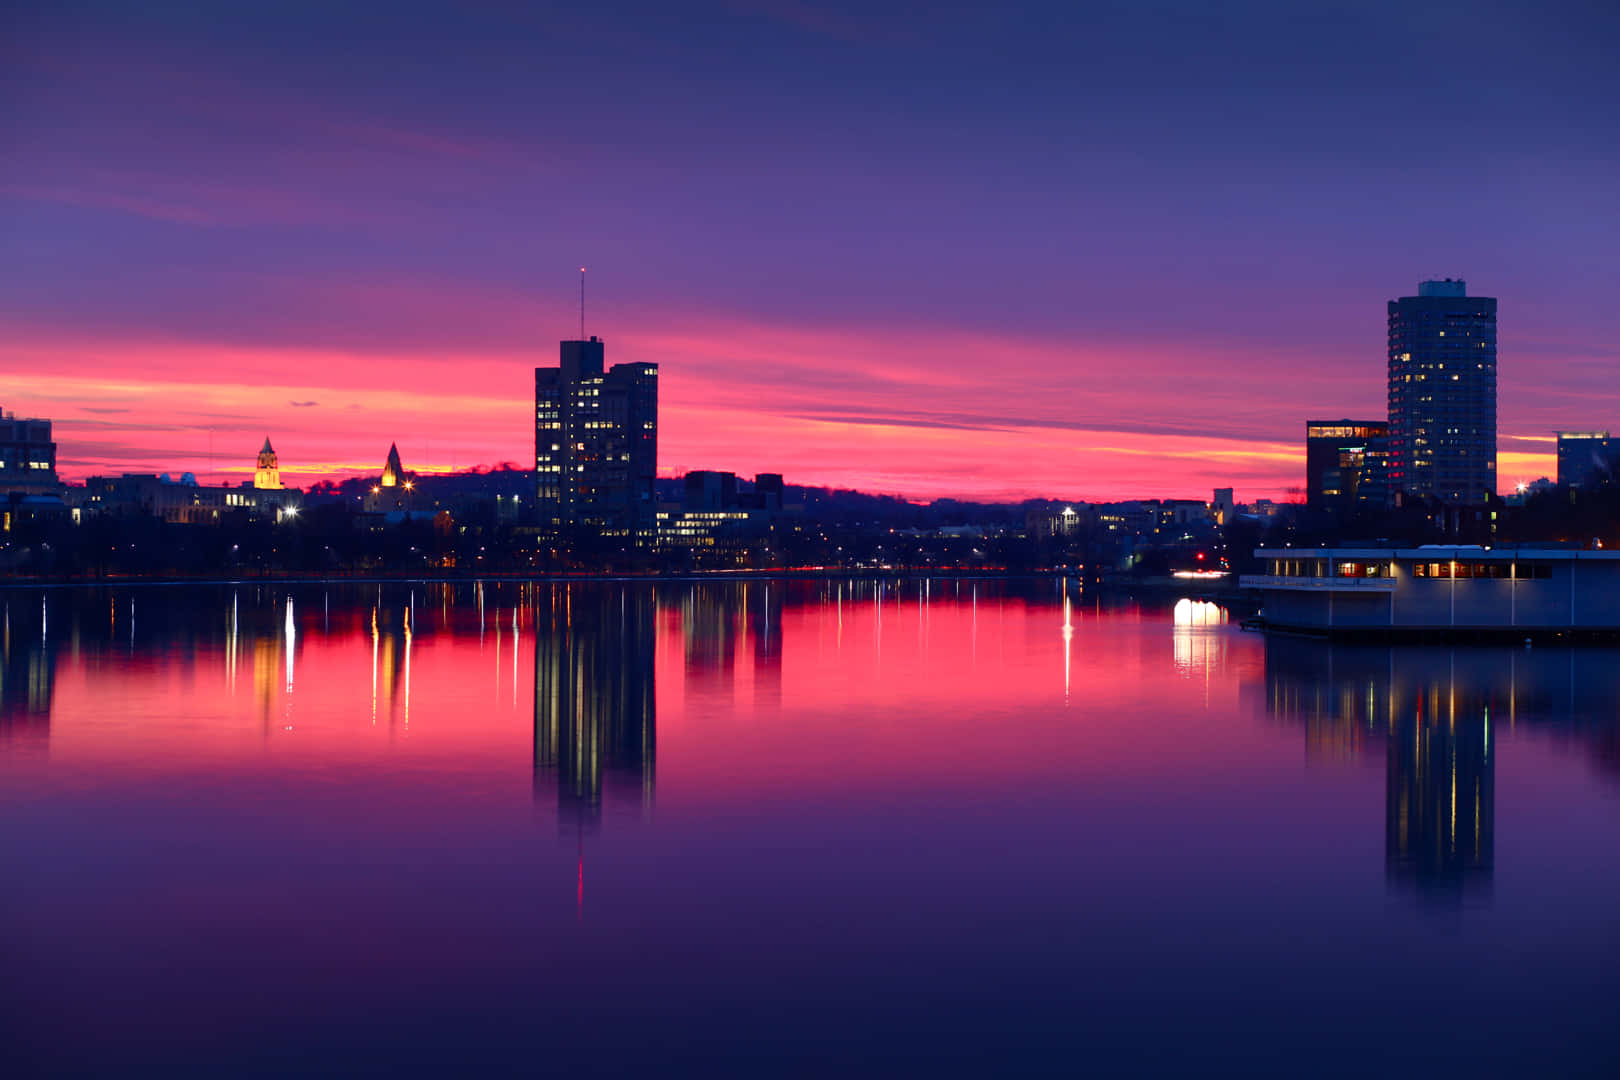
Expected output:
(182, 501)
(1439, 589)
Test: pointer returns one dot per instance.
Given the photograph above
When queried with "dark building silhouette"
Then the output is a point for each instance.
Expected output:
(596, 444)
(27, 456)
(594, 703)
(709, 490)
(768, 491)
(1442, 394)
(1346, 464)
(1586, 458)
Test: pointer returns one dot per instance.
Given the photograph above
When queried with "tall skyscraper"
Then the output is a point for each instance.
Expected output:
(596, 444)
(1442, 394)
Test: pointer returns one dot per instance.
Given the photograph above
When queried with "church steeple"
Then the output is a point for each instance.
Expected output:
(267, 474)
(393, 474)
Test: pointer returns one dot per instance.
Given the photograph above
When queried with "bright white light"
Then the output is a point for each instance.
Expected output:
(1199, 613)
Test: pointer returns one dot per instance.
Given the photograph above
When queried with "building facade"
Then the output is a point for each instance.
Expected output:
(596, 445)
(27, 456)
(1439, 589)
(1586, 458)
(183, 501)
(1346, 463)
(717, 516)
(1442, 394)
(267, 471)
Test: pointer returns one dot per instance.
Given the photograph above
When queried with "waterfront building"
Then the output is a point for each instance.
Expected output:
(1439, 589)
(267, 473)
(1057, 522)
(1442, 394)
(596, 445)
(1586, 458)
(717, 515)
(1346, 464)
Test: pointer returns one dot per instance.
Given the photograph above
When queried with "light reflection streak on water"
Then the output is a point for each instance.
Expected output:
(1068, 640)
(291, 637)
(374, 637)
(408, 636)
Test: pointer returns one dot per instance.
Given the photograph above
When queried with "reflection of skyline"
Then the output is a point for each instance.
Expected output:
(764, 601)
(27, 673)
(594, 704)
(1434, 714)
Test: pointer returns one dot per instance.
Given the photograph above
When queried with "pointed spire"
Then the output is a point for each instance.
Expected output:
(267, 449)
(393, 473)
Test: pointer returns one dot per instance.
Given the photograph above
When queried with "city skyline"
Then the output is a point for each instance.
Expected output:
(1117, 255)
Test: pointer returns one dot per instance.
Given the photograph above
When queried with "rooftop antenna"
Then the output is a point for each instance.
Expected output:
(582, 303)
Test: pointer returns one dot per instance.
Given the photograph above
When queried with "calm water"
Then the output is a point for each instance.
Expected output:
(806, 828)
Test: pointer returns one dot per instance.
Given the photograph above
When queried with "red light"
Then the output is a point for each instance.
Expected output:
(1200, 556)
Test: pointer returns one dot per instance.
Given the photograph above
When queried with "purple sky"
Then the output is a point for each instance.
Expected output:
(1077, 250)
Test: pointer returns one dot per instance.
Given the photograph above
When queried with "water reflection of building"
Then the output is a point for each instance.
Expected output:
(1431, 711)
(709, 624)
(27, 672)
(392, 635)
(594, 726)
(765, 639)
(1440, 798)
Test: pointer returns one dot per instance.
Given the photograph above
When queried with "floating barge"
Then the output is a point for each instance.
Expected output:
(1452, 592)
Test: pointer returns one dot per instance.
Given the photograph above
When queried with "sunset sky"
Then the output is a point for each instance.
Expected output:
(1068, 249)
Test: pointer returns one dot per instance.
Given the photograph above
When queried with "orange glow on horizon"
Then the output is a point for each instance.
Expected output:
(916, 428)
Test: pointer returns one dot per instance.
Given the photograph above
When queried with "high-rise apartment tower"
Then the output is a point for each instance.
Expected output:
(1442, 394)
(596, 445)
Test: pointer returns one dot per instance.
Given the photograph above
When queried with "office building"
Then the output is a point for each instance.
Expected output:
(27, 456)
(716, 515)
(1586, 458)
(1345, 463)
(596, 445)
(1442, 395)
